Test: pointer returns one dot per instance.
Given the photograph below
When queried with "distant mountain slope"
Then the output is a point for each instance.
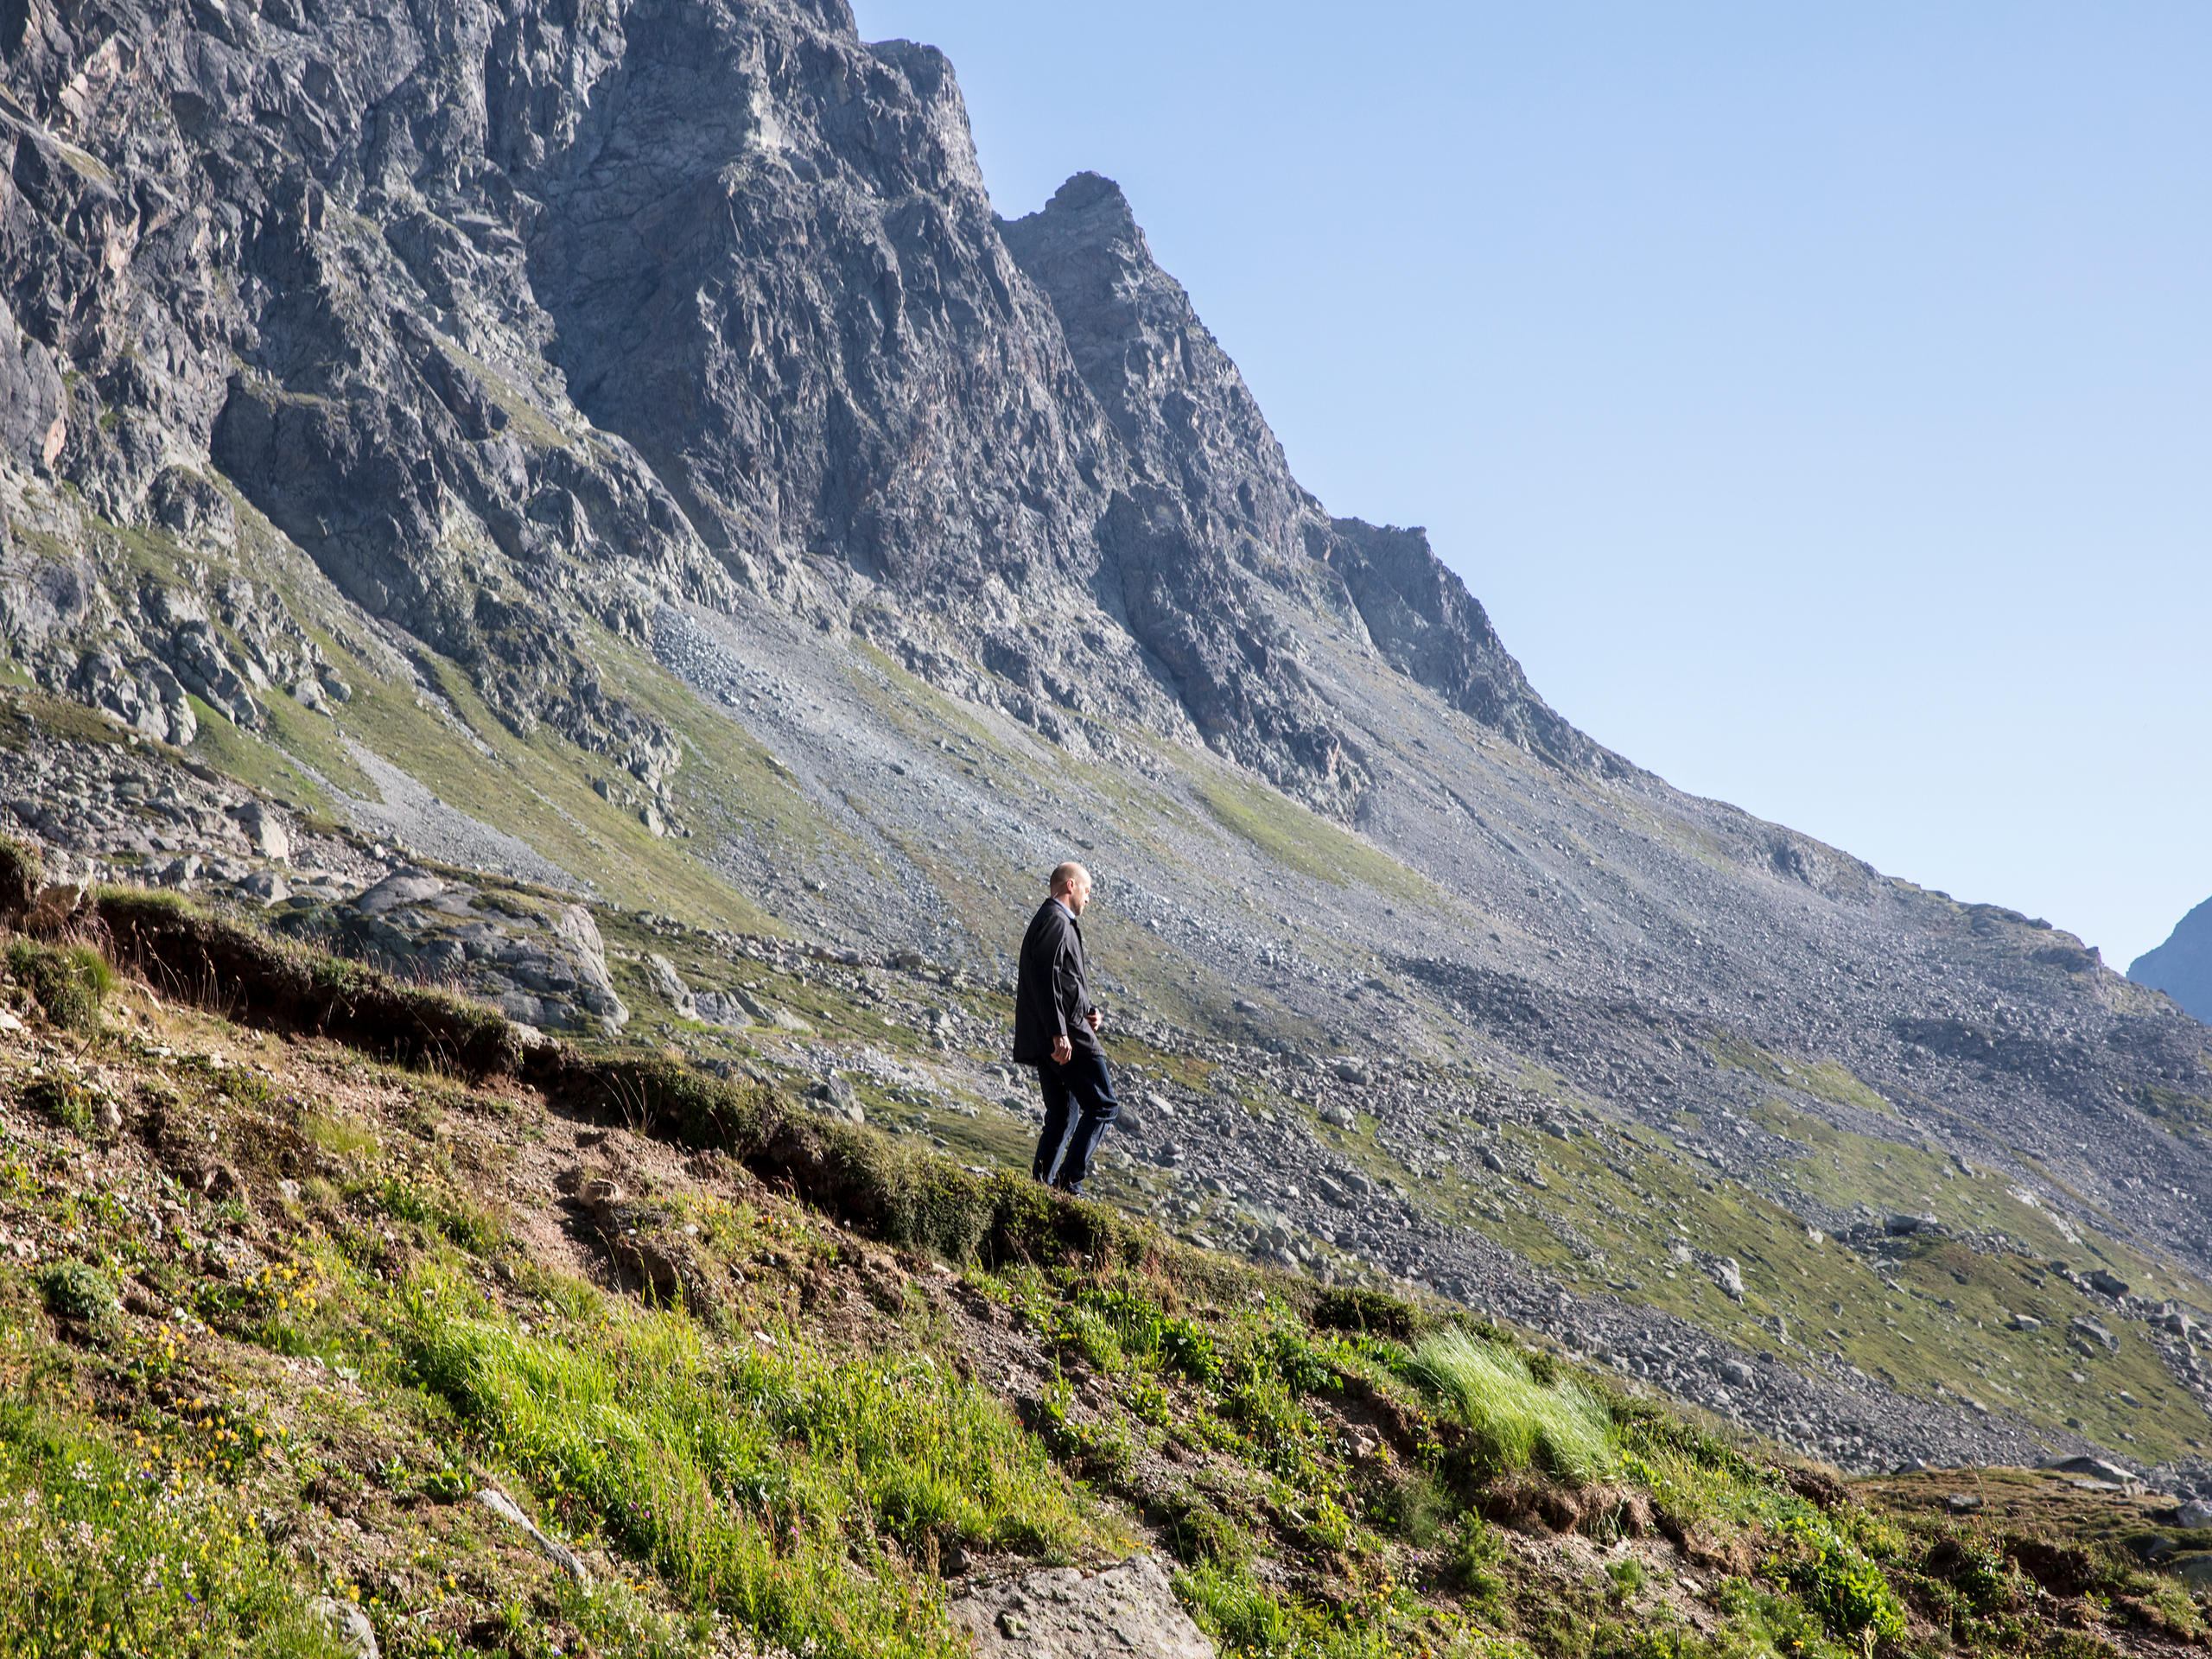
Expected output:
(2182, 967)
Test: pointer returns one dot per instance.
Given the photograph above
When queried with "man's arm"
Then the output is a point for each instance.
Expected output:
(1071, 996)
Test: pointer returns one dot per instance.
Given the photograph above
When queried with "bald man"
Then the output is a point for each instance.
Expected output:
(1056, 1030)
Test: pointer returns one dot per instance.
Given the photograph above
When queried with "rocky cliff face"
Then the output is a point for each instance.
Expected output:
(1211, 538)
(509, 320)
(620, 447)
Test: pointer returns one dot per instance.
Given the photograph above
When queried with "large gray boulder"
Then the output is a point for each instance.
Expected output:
(1118, 1613)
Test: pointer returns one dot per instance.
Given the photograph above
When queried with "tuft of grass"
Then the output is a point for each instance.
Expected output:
(1373, 1312)
(1515, 1421)
(68, 1102)
(74, 1290)
(23, 873)
(68, 982)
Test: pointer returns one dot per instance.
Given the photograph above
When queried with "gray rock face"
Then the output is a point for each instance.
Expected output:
(348, 1626)
(543, 318)
(1217, 547)
(543, 965)
(1126, 1609)
(2182, 967)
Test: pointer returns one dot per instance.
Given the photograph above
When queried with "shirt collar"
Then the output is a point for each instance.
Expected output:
(1065, 910)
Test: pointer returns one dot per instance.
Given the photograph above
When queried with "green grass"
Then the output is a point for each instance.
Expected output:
(264, 764)
(809, 1495)
(1823, 1079)
(101, 1553)
(1517, 1422)
(1303, 841)
(69, 982)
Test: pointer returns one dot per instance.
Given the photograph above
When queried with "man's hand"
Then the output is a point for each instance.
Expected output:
(1093, 1017)
(1063, 1051)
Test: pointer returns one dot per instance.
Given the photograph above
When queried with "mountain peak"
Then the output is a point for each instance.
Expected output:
(1096, 195)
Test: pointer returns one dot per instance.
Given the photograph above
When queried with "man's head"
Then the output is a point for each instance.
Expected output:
(1072, 887)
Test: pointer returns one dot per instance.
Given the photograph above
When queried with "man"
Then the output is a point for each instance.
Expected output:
(1056, 1030)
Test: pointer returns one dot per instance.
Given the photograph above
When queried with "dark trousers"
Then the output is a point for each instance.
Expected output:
(1082, 1081)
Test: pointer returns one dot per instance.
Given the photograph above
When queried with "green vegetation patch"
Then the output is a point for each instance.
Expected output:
(96, 1558)
(1301, 840)
(191, 953)
(1823, 1079)
(1514, 1421)
(813, 1495)
(67, 982)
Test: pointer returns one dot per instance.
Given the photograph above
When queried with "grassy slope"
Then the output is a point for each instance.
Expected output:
(282, 1310)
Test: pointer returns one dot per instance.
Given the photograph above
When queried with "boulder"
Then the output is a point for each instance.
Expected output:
(2091, 1468)
(2087, 1329)
(399, 890)
(1122, 1610)
(670, 985)
(348, 1625)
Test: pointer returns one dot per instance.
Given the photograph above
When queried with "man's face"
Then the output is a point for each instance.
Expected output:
(1077, 894)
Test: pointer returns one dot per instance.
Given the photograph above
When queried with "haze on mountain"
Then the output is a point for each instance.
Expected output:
(622, 451)
(2182, 967)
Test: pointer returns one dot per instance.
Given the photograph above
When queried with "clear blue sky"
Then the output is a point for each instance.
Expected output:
(1820, 398)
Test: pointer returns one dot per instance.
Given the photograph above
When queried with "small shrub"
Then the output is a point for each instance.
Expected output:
(65, 1102)
(1977, 1571)
(23, 873)
(1517, 1421)
(74, 1290)
(1197, 1532)
(1761, 1621)
(1148, 1403)
(1097, 1450)
(1344, 1307)
(1088, 1332)
(1837, 1581)
(1628, 1576)
(462, 1220)
(1418, 1510)
(68, 983)
(1188, 1347)
(1236, 1609)
(1476, 1556)
(1136, 1324)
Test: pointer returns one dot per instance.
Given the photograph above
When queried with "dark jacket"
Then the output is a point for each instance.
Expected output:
(1052, 994)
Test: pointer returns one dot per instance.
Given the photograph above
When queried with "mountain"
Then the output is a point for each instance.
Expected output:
(591, 505)
(2182, 967)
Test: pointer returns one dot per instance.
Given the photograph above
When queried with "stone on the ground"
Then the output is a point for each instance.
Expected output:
(1129, 1609)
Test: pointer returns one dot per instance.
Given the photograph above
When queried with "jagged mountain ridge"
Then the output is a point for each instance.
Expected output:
(389, 391)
